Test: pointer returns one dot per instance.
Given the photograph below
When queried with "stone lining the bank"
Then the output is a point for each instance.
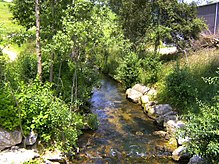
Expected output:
(163, 115)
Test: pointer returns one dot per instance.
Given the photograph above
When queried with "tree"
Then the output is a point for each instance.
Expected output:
(158, 21)
(51, 15)
(38, 47)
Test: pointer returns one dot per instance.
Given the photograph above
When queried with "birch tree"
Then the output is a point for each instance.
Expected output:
(38, 47)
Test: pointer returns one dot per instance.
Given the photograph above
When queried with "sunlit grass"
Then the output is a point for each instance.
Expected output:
(6, 23)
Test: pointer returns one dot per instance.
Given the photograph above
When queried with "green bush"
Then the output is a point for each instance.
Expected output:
(49, 116)
(22, 69)
(41, 112)
(202, 128)
(3, 61)
(149, 68)
(8, 112)
(128, 70)
(179, 90)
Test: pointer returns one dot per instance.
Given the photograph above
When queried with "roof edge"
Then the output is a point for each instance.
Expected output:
(207, 4)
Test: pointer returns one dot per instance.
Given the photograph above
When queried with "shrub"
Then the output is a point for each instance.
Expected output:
(202, 128)
(8, 112)
(3, 61)
(41, 112)
(149, 68)
(22, 69)
(128, 70)
(47, 115)
(179, 89)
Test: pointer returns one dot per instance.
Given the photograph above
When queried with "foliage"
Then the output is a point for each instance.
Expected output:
(128, 70)
(202, 128)
(5, 20)
(22, 37)
(178, 21)
(180, 88)
(22, 69)
(8, 111)
(3, 64)
(150, 66)
(134, 17)
(41, 112)
(158, 21)
(91, 121)
(90, 37)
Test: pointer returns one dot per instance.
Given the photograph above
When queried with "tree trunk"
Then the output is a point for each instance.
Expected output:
(38, 47)
(51, 75)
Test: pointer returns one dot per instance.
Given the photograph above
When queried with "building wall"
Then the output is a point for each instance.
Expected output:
(208, 13)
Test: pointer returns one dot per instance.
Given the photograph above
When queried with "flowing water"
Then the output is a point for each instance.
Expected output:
(125, 133)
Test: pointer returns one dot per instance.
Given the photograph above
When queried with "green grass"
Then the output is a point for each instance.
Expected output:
(7, 25)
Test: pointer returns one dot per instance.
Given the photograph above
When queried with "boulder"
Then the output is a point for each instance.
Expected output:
(148, 106)
(144, 99)
(159, 110)
(178, 153)
(141, 88)
(31, 138)
(182, 140)
(17, 156)
(163, 119)
(134, 95)
(152, 92)
(171, 145)
(196, 160)
(162, 109)
(9, 138)
(173, 125)
(152, 113)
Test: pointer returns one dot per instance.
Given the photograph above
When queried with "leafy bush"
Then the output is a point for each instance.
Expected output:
(8, 112)
(128, 70)
(202, 129)
(41, 112)
(3, 61)
(22, 69)
(49, 116)
(149, 68)
(179, 90)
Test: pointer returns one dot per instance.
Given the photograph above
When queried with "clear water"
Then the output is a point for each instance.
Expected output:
(125, 133)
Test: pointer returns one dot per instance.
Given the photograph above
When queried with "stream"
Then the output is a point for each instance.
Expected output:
(125, 133)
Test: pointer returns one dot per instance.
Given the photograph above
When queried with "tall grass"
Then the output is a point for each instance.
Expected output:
(176, 83)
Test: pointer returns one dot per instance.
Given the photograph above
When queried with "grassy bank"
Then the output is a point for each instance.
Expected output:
(6, 22)
(181, 80)
(8, 28)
